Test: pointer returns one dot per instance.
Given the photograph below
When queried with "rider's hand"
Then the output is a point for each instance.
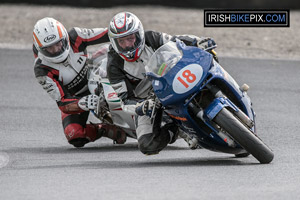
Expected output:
(205, 43)
(88, 102)
(145, 107)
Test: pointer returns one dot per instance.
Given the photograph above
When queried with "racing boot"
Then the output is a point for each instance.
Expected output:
(117, 134)
(173, 136)
(190, 140)
(172, 130)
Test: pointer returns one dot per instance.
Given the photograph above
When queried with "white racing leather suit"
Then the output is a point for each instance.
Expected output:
(128, 80)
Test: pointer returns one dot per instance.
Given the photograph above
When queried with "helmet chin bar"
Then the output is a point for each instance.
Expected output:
(136, 56)
(60, 59)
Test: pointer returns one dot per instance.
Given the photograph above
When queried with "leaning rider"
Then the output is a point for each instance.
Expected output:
(131, 49)
(61, 69)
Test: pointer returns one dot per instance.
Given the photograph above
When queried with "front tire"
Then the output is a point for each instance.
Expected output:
(242, 135)
(242, 155)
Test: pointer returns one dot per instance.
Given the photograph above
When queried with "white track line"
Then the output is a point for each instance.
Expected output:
(4, 159)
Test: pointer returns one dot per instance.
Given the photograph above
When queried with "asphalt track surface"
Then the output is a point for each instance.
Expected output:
(36, 162)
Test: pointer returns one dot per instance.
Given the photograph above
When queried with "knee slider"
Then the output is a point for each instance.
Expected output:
(79, 142)
(148, 146)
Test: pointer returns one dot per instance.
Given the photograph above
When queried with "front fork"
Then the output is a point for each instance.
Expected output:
(214, 108)
(222, 101)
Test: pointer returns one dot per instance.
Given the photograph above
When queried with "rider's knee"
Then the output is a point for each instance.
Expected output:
(75, 135)
(79, 142)
(148, 145)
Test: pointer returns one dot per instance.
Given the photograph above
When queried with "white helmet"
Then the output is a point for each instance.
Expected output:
(48, 32)
(124, 24)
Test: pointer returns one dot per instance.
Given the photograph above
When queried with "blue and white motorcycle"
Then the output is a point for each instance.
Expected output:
(205, 101)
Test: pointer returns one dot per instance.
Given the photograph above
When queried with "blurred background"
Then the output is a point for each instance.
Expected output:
(176, 17)
(279, 4)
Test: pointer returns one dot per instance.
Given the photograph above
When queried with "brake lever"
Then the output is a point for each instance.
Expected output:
(153, 111)
(210, 48)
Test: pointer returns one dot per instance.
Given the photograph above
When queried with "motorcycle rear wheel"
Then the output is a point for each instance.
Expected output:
(245, 137)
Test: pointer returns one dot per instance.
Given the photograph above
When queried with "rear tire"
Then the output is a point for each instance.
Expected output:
(242, 135)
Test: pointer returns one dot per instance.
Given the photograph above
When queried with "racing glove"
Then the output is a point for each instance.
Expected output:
(145, 107)
(208, 44)
(88, 102)
(205, 43)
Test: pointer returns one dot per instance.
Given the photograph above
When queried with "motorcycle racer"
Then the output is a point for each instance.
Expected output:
(60, 67)
(131, 48)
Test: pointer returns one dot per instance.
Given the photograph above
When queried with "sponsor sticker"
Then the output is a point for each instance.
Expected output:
(112, 95)
(49, 38)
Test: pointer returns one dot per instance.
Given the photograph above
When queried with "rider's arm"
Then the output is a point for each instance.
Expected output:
(48, 79)
(80, 38)
(200, 42)
(157, 39)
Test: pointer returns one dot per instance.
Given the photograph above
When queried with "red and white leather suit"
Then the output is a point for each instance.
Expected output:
(66, 82)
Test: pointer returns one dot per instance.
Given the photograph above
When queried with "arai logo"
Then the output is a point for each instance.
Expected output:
(49, 38)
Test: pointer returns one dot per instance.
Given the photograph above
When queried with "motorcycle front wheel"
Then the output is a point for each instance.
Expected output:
(245, 137)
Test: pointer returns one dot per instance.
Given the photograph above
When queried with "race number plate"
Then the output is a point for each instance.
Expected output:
(187, 78)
